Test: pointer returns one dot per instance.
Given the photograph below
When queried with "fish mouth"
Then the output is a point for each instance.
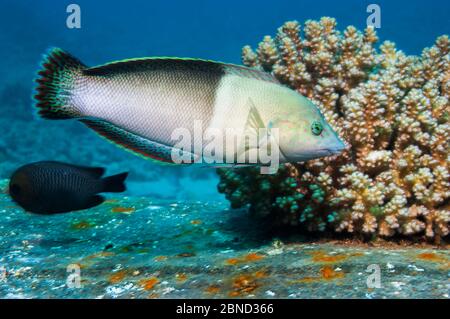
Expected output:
(320, 152)
(332, 150)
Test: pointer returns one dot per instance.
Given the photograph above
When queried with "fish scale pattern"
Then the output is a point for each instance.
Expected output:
(152, 101)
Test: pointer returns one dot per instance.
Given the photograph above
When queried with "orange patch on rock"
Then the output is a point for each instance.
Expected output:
(117, 276)
(321, 257)
(181, 277)
(431, 257)
(196, 222)
(251, 257)
(326, 273)
(160, 258)
(82, 225)
(213, 289)
(124, 210)
(101, 254)
(243, 285)
(232, 261)
(234, 294)
(329, 273)
(261, 274)
(148, 284)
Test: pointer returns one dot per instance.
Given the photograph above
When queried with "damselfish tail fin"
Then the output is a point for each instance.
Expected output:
(56, 81)
(115, 183)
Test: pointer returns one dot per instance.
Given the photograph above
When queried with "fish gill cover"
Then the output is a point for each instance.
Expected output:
(392, 110)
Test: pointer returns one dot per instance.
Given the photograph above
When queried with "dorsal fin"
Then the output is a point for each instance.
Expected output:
(132, 142)
(155, 64)
(251, 73)
(95, 172)
(188, 64)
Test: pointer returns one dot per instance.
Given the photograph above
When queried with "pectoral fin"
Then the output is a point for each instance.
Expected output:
(252, 125)
(252, 130)
(254, 120)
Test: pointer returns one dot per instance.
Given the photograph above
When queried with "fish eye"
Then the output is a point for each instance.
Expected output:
(14, 189)
(316, 128)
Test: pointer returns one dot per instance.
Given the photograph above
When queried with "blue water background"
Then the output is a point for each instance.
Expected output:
(113, 30)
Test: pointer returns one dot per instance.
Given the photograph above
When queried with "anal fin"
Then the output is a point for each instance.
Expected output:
(132, 142)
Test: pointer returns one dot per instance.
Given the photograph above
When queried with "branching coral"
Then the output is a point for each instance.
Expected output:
(392, 110)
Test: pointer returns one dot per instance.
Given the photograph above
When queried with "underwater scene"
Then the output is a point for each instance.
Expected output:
(224, 149)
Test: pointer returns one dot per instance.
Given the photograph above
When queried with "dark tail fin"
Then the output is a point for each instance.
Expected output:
(56, 81)
(115, 183)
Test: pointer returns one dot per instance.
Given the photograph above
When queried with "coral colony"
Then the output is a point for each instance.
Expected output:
(393, 112)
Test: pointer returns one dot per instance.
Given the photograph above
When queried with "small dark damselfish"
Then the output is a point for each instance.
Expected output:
(50, 187)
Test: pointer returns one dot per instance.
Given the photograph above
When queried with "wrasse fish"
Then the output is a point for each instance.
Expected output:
(139, 103)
